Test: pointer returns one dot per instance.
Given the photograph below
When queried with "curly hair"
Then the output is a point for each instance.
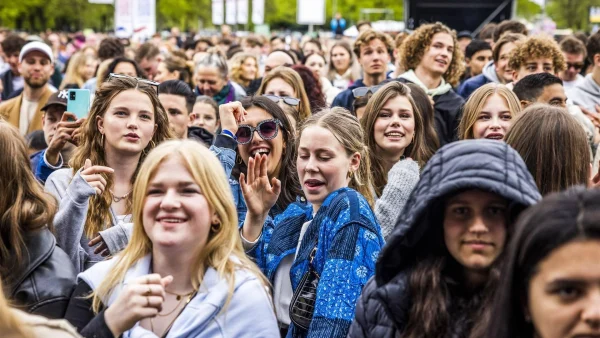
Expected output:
(369, 35)
(415, 46)
(535, 47)
(235, 68)
(312, 84)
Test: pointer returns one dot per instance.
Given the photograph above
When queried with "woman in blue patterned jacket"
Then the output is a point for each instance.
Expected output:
(339, 239)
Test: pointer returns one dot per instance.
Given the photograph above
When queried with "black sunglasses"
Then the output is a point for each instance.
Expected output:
(292, 101)
(362, 91)
(267, 130)
(577, 66)
(139, 80)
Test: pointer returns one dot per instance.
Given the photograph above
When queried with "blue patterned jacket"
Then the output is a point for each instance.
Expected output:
(348, 240)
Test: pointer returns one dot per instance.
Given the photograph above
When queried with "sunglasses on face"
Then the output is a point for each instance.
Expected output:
(144, 81)
(362, 91)
(577, 66)
(292, 101)
(267, 129)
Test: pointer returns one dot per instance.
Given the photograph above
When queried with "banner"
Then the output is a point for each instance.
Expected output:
(135, 17)
(258, 12)
(594, 14)
(230, 12)
(311, 12)
(242, 12)
(217, 12)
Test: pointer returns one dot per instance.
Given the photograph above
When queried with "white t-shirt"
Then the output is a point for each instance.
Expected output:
(18, 82)
(571, 84)
(28, 110)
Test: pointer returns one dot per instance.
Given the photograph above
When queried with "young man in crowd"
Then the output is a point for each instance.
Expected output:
(496, 71)
(11, 78)
(464, 39)
(587, 93)
(372, 49)
(574, 52)
(487, 33)
(537, 54)
(36, 66)
(147, 56)
(60, 133)
(275, 59)
(477, 54)
(362, 26)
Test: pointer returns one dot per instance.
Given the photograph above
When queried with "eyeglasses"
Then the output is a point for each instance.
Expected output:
(144, 81)
(577, 66)
(292, 101)
(267, 129)
(362, 91)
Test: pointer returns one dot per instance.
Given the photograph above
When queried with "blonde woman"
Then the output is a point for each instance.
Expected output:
(126, 121)
(243, 69)
(184, 274)
(489, 113)
(81, 68)
(283, 85)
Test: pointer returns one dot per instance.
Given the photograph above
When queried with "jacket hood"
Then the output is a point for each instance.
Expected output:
(486, 165)
(200, 134)
(590, 86)
(489, 71)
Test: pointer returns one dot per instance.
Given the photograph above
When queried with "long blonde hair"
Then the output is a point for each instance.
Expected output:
(291, 77)
(10, 325)
(347, 130)
(415, 150)
(223, 243)
(478, 99)
(91, 146)
(235, 68)
(73, 74)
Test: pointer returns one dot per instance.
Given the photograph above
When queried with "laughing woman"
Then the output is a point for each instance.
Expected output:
(126, 121)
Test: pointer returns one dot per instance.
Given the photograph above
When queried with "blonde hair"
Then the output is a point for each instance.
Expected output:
(414, 150)
(235, 68)
(291, 77)
(223, 250)
(478, 99)
(347, 130)
(91, 146)
(73, 74)
(10, 325)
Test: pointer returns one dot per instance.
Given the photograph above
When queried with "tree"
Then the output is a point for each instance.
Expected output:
(528, 9)
(572, 14)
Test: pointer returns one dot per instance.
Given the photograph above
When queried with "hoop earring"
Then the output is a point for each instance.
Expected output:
(152, 144)
(102, 140)
(350, 174)
(216, 227)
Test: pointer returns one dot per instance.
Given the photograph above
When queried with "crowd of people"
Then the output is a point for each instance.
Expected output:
(426, 184)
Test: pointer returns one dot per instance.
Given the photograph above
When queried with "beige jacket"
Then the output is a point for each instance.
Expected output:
(43, 327)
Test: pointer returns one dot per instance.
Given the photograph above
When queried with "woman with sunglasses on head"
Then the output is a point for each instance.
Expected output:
(440, 264)
(319, 258)
(212, 79)
(394, 132)
(284, 86)
(551, 273)
(184, 274)
(126, 121)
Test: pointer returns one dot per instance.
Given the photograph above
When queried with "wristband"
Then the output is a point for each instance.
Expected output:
(229, 133)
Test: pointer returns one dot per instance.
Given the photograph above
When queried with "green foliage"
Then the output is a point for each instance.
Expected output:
(528, 9)
(572, 14)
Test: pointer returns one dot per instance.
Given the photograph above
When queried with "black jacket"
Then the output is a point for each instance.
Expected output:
(7, 82)
(383, 308)
(346, 98)
(45, 283)
(448, 108)
(201, 135)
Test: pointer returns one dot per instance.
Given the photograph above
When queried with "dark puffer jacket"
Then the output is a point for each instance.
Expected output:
(383, 308)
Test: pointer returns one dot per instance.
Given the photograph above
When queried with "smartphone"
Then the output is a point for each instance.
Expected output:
(78, 102)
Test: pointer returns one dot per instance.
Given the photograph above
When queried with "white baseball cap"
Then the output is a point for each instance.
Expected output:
(36, 46)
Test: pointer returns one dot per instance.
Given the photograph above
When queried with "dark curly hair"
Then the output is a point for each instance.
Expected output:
(312, 85)
(413, 48)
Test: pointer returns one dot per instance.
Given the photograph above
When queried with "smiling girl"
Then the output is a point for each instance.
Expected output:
(126, 121)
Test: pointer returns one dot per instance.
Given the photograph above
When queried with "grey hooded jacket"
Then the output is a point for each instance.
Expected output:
(586, 93)
(383, 308)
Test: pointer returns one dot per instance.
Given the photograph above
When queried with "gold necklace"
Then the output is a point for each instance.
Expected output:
(190, 295)
(178, 295)
(117, 199)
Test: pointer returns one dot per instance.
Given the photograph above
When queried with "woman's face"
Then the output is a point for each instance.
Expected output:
(163, 74)
(340, 59)
(494, 119)
(504, 72)
(316, 63)
(128, 124)
(280, 88)
(438, 56)
(125, 68)
(205, 116)
(249, 69)
(475, 229)
(564, 294)
(176, 214)
(394, 127)
(273, 148)
(209, 81)
(323, 164)
(89, 69)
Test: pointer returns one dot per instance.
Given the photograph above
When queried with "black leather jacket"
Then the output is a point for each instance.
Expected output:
(45, 283)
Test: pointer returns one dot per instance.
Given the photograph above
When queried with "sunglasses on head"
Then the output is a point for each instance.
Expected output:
(292, 101)
(267, 129)
(362, 91)
(144, 81)
(577, 66)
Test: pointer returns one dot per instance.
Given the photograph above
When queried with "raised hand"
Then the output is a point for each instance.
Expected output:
(141, 298)
(231, 114)
(92, 175)
(64, 133)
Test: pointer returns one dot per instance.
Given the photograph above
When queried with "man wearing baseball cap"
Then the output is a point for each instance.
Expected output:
(60, 130)
(36, 67)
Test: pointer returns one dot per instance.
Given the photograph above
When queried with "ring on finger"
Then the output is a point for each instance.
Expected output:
(149, 291)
